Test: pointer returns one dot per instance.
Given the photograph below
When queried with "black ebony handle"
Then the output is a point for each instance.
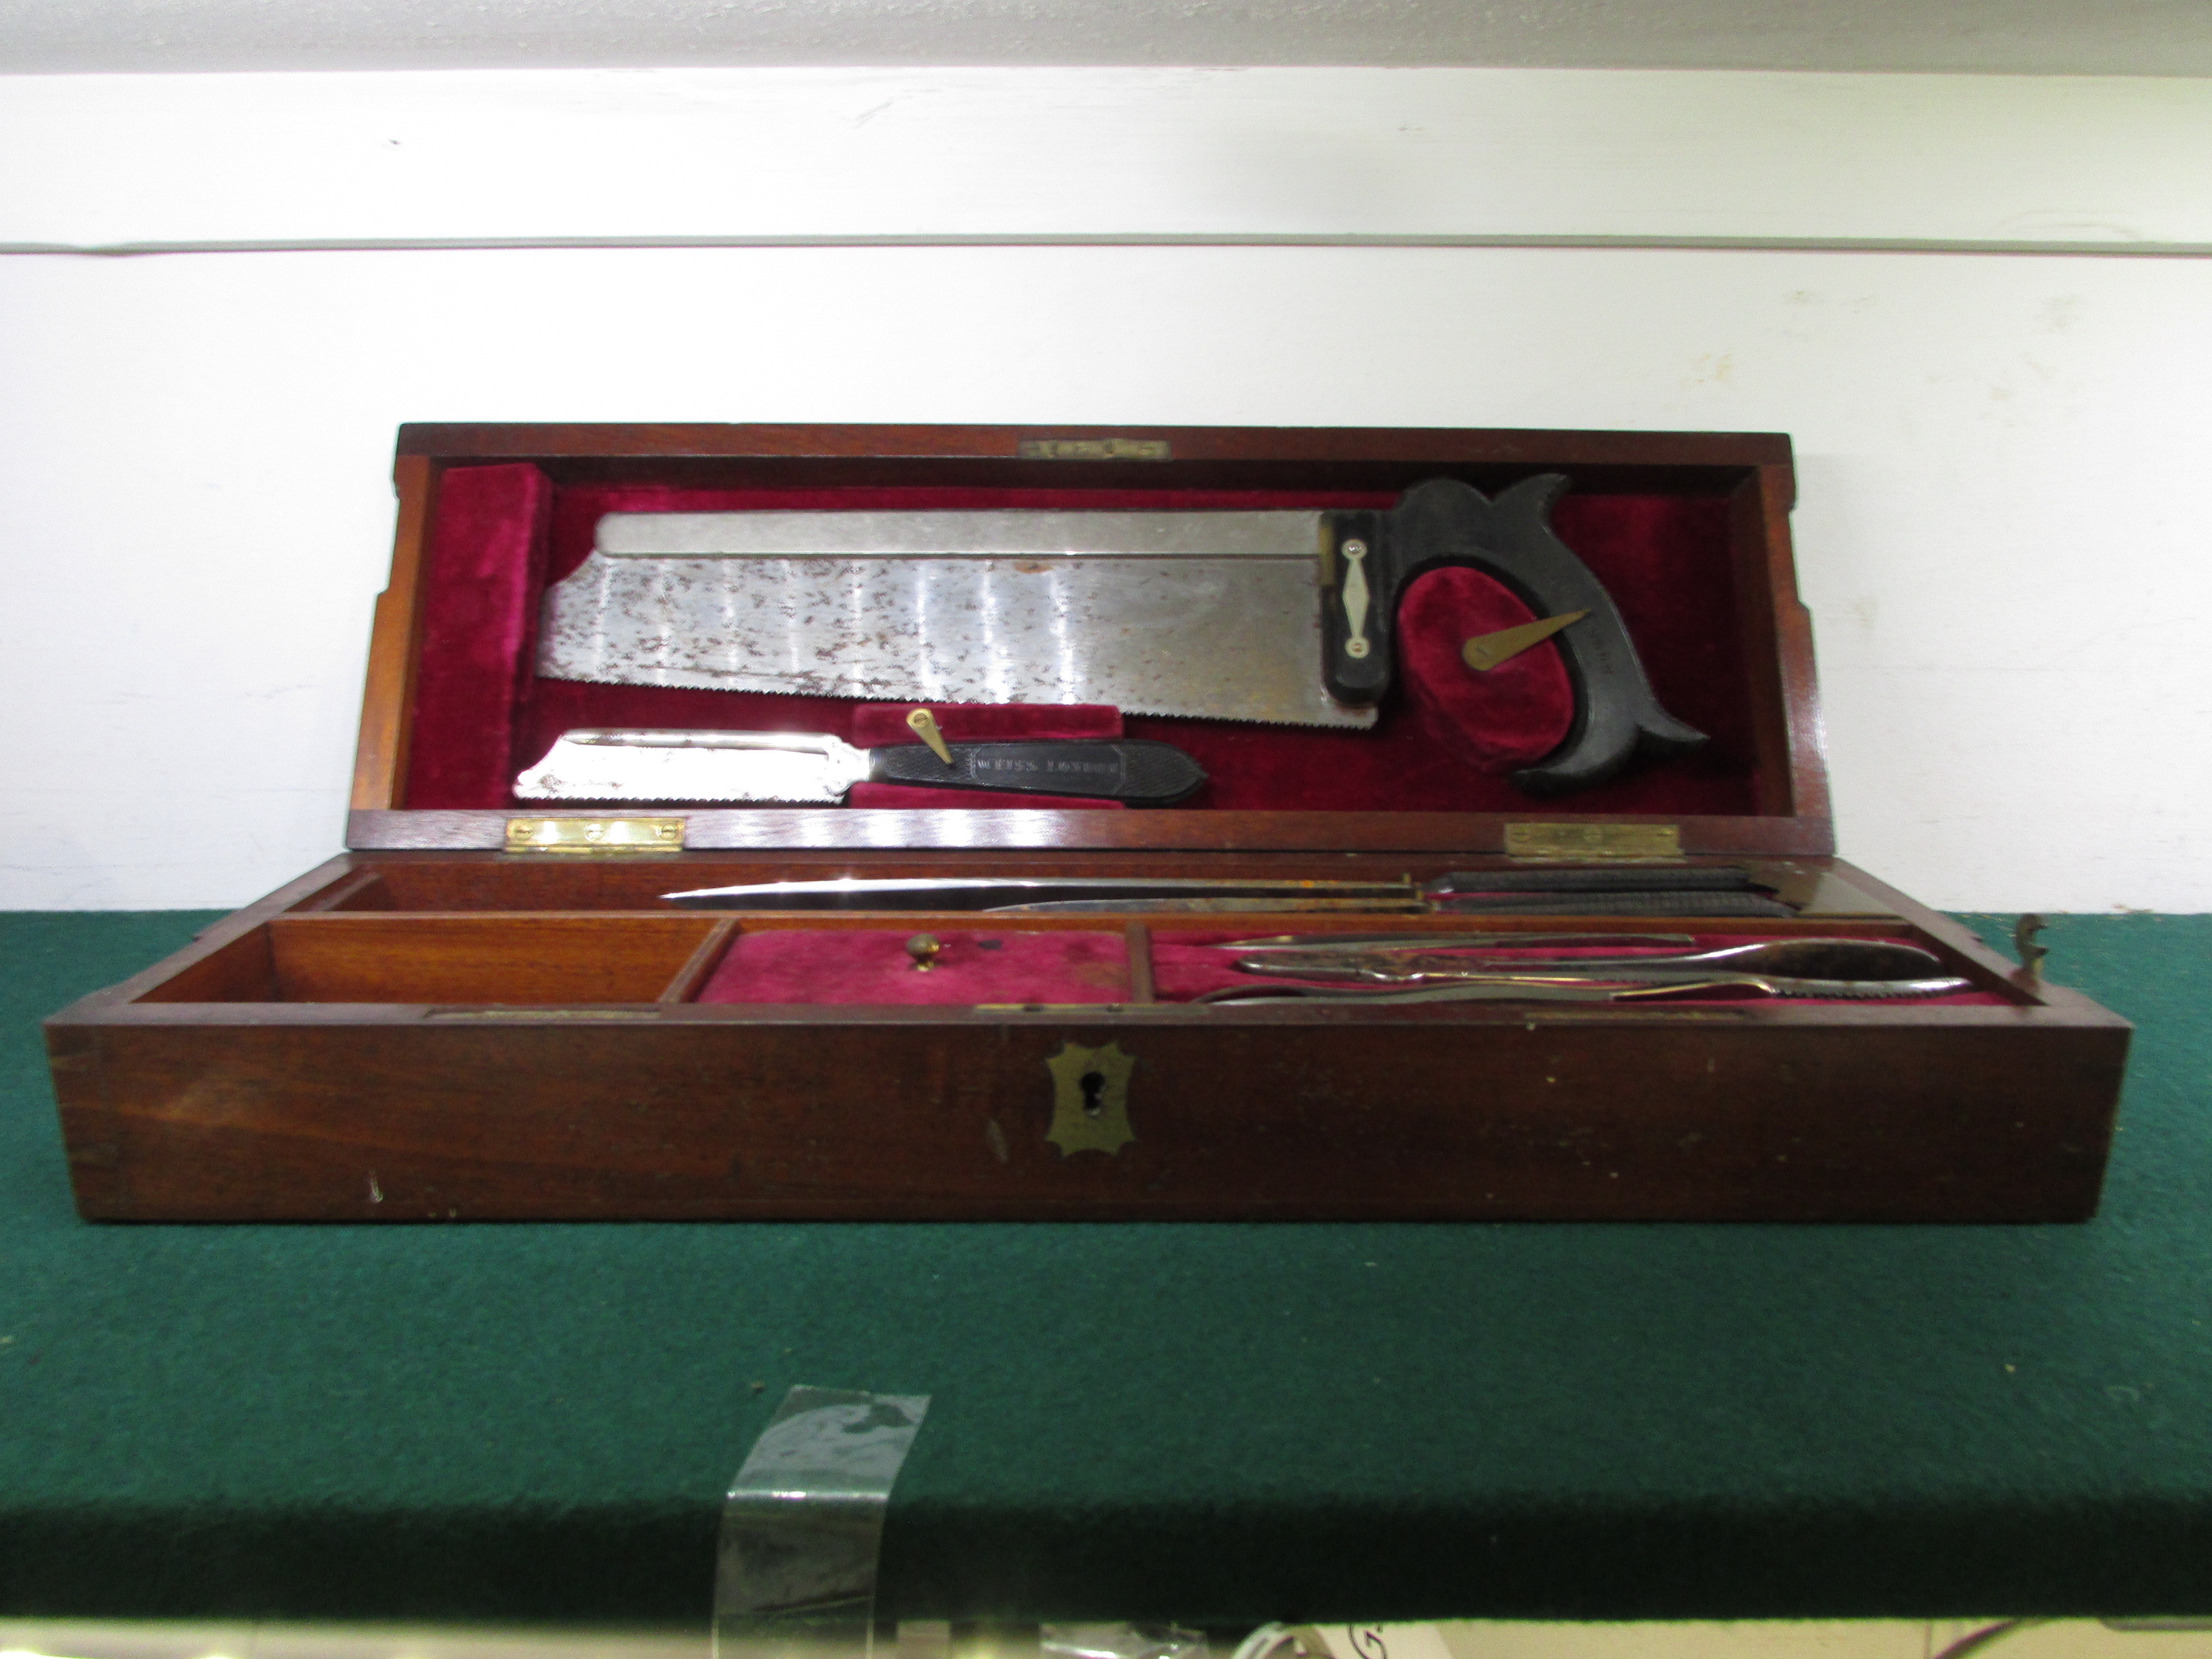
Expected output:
(1131, 769)
(1444, 522)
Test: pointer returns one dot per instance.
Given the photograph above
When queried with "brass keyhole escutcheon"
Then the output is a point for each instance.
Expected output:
(1090, 1099)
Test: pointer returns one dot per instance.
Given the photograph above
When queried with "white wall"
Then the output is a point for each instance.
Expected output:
(1089, 155)
(2003, 456)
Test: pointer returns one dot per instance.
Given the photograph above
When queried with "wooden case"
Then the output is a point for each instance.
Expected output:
(432, 1027)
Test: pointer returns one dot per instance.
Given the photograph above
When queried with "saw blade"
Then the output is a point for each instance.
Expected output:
(1212, 615)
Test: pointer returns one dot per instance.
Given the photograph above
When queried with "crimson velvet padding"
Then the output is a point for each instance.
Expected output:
(484, 573)
(1057, 965)
(873, 965)
(1187, 965)
(501, 533)
(1494, 720)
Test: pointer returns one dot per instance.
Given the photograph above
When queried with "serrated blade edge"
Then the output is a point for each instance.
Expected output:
(575, 771)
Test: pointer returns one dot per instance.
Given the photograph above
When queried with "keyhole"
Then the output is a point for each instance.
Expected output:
(1093, 1084)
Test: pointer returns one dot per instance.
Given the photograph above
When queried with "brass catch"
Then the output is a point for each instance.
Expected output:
(1090, 1099)
(1593, 841)
(595, 834)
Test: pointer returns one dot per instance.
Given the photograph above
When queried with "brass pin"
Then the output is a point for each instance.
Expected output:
(2030, 953)
(1485, 651)
(924, 727)
(925, 950)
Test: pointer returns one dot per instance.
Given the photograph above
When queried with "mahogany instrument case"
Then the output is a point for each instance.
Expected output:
(485, 1008)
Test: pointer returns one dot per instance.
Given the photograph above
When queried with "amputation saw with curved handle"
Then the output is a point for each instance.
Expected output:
(1265, 615)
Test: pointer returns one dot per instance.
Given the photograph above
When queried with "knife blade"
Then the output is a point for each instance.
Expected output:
(1293, 944)
(1406, 904)
(1096, 894)
(1011, 892)
(1849, 961)
(808, 766)
(1584, 990)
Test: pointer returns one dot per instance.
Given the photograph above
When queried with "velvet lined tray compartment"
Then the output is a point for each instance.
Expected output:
(493, 1105)
(357, 941)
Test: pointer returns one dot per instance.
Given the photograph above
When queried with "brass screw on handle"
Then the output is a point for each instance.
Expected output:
(925, 950)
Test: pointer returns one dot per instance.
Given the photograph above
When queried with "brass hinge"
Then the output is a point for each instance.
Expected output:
(1593, 841)
(2030, 953)
(595, 834)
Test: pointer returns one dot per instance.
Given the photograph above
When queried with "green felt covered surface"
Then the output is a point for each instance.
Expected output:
(1216, 1423)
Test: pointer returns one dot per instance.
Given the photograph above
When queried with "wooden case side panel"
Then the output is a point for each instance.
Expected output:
(387, 698)
(2000, 1120)
(885, 831)
(149, 983)
(2056, 1001)
(364, 889)
(581, 441)
(1778, 629)
(242, 969)
(92, 1134)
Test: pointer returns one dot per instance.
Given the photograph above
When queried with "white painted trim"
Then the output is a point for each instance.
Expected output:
(1447, 157)
(518, 243)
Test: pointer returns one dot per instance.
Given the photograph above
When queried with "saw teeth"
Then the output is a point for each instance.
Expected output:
(890, 696)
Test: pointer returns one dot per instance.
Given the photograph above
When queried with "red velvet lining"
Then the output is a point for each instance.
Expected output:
(1184, 965)
(484, 574)
(871, 965)
(1494, 720)
(1665, 558)
(1070, 965)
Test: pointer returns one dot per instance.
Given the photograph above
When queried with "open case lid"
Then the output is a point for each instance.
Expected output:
(1688, 532)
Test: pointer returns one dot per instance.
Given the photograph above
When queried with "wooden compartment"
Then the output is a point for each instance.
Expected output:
(508, 958)
(433, 1027)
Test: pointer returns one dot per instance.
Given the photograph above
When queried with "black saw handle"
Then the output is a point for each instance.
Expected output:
(1374, 556)
(1131, 769)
